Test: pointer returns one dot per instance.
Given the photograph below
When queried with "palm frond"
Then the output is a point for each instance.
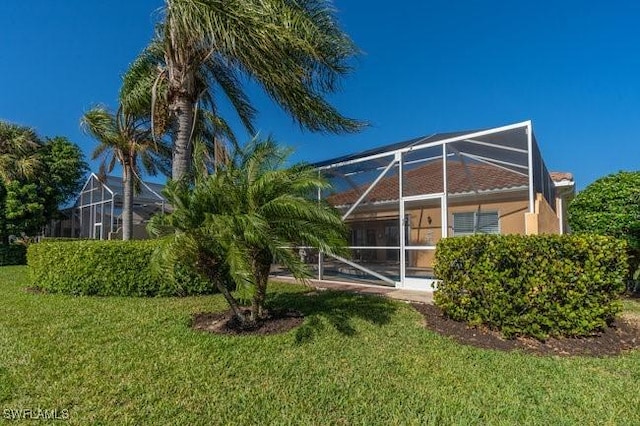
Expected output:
(102, 125)
(248, 207)
(225, 77)
(140, 78)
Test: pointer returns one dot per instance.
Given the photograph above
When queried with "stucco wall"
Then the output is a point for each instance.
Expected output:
(510, 216)
(426, 224)
(548, 222)
(544, 220)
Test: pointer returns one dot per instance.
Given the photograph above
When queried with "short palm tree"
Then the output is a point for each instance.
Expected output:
(233, 224)
(294, 49)
(126, 139)
(18, 159)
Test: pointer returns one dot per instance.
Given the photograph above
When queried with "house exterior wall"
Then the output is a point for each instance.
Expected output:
(544, 220)
(510, 216)
(425, 227)
(565, 194)
(548, 221)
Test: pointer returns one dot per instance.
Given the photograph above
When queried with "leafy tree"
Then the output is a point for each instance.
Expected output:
(33, 202)
(65, 170)
(18, 160)
(294, 49)
(233, 224)
(26, 208)
(610, 206)
(36, 178)
(125, 139)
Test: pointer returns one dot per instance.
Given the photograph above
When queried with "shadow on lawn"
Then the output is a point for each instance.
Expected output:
(334, 307)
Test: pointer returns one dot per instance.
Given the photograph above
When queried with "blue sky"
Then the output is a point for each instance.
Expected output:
(571, 67)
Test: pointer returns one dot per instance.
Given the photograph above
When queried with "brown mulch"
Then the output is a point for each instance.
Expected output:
(623, 335)
(35, 290)
(277, 321)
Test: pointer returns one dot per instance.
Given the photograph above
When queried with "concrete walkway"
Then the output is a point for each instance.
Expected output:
(391, 292)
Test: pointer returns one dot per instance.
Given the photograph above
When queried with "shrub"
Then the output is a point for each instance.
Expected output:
(106, 268)
(13, 254)
(536, 286)
(611, 206)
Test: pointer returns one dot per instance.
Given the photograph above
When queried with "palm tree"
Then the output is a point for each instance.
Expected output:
(18, 159)
(125, 139)
(231, 225)
(294, 49)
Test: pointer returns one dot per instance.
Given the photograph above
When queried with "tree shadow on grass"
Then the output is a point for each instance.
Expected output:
(334, 307)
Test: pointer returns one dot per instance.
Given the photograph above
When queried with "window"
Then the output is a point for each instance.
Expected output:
(475, 223)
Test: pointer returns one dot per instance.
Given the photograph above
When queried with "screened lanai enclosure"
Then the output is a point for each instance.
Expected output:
(400, 200)
(97, 213)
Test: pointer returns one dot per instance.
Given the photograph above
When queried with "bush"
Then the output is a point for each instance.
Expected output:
(13, 254)
(611, 206)
(558, 285)
(106, 268)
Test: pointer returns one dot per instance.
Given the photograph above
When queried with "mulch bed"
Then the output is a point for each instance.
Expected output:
(277, 321)
(623, 335)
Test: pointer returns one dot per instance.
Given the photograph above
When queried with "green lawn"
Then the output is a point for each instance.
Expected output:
(356, 360)
(632, 306)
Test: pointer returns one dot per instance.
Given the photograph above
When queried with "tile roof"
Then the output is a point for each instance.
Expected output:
(427, 179)
(560, 176)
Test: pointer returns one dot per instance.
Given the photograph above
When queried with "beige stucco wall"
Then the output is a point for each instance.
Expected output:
(544, 220)
(510, 214)
(548, 222)
(426, 223)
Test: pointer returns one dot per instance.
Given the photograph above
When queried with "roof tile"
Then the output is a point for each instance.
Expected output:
(427, 179)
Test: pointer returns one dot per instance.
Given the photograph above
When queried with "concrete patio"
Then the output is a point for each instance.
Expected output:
(391, 292)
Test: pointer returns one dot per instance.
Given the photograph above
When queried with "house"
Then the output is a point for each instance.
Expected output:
(97, 212)
(399, 200)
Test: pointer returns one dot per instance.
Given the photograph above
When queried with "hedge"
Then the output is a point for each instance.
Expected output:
(13, 254)
(540, 286)
(106, 268)
(611, 206)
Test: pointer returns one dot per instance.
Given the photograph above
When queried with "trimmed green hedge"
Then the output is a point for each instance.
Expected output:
(106, 268)
(540, 286)
(13, 254)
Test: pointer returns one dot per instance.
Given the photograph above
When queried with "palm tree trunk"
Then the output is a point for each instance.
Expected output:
(127, 205)
(212, 271)
(233, 303)
(262, 267)
(182, 111)
(257, 304)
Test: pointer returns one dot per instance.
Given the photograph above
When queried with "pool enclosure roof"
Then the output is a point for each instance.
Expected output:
(436, 137)
(505, 158)
(112, 188)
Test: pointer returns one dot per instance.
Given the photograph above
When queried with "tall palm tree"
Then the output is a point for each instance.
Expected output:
(18, 159)
(232, 224)
(125, 139)
(294, 49)
(145, 91)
